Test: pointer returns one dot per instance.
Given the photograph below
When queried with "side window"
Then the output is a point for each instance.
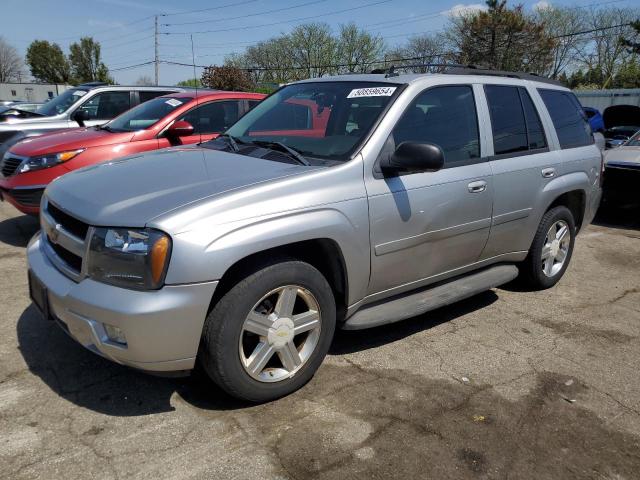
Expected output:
(445, 116)
(148, 95)
(213, 117)
(535, 132)
(568, 118)
(507, 119)
(107, 105)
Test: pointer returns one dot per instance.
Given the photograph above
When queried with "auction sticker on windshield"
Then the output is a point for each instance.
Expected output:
(372, 92)
(173, 102)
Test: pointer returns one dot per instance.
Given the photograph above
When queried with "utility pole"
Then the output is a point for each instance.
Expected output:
(156, 49)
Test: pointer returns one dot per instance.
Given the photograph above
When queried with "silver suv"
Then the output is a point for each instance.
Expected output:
(88, 104)
(344, 202)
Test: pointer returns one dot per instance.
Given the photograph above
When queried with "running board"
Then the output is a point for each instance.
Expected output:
(423, 301)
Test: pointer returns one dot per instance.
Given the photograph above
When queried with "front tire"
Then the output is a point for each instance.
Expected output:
(267, 336)
(551, 250)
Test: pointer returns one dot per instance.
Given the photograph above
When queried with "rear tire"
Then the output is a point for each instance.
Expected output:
(551, 250)
(267, 336)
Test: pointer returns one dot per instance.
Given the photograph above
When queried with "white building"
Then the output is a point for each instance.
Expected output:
(30, 92)
(602, 99)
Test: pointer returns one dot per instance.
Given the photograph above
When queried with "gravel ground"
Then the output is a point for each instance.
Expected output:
(508, 384)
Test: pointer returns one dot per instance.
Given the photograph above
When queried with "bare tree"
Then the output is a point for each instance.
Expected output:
(357, 49)
(560, 23)
(10, 62)
(418, 51)
(604, 53)
(144, 80)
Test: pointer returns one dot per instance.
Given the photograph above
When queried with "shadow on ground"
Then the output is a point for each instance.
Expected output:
(93, 382)
(17, 231)
(613, 215)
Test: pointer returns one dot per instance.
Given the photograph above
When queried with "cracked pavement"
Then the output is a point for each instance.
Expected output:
(508, 384)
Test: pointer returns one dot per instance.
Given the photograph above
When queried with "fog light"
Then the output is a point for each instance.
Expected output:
(115, 334)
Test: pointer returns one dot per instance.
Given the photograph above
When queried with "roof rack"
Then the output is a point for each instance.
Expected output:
(460, 69)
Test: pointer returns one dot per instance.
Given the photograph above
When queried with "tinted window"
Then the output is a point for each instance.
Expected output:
(107, 105)
(148, 95)
(507, 119)
(535, 132)
(146, 114)
(286, 116)
(568, 118)
(444, 116)
(213, 117)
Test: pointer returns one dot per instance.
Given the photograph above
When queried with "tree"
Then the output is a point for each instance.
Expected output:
(86, 63)
(501, 38)
(313, 49)
(144, 80)
(10, 62)
(634, 45)
(605, 53)
(560, 23)
(191, 82)
(357, 49)
(227, 78)
(47, 62)
(420, 50)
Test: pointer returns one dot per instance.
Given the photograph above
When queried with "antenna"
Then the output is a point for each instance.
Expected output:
(193, 60)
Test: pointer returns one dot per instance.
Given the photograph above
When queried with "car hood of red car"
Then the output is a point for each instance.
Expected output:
(71, 139)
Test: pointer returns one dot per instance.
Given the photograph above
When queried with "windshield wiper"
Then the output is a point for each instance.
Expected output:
(293, 153)
(104, 127)
(231, 140)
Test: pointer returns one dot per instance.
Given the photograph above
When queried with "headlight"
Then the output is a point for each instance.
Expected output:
(129, 258)
(46, 161)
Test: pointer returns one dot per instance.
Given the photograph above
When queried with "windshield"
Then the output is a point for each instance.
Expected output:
(634, 141)
(62, 102)
(145, 114)
(326, 120)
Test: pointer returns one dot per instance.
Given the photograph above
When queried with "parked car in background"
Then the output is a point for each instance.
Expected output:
(340, 202)
(622, 173)
(616, 136)
(595, 119)
(177, 119)
(88, 104)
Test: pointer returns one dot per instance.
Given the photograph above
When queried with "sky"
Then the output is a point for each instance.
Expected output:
(125, 28)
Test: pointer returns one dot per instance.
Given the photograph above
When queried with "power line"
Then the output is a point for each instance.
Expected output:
(371, 4)
(237, 4)
(224, 19)
(129, 67)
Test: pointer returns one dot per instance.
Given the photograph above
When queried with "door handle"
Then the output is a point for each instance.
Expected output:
(477, 187)
(548, 172)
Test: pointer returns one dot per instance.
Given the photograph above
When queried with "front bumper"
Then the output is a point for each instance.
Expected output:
(162, 327)
(27, 200)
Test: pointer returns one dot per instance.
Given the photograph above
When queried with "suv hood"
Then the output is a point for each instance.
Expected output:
(70, 139)
(132, 191)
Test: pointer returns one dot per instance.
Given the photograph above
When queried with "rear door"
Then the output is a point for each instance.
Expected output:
(427, 224)
(521, 165)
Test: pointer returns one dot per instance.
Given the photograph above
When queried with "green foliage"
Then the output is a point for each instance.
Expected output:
(48, 63)
(191, 82)
(227, 78)
(85, 62)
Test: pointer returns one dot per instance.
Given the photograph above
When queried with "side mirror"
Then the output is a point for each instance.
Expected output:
(181, 128)
(80, 116)
(414, 157)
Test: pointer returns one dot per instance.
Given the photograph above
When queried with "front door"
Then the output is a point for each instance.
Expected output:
(426, 224)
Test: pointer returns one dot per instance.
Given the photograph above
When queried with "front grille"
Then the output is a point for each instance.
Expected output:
(69, 223)
(64, 240)
(29, 197)
(69, 258)
(9, 165)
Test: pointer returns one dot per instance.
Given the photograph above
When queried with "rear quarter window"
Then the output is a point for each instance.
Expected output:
(568, 117)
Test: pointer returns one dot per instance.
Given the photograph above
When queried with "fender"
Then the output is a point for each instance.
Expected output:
(217, 249)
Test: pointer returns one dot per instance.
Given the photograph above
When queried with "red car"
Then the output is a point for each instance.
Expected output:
(174, 119)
